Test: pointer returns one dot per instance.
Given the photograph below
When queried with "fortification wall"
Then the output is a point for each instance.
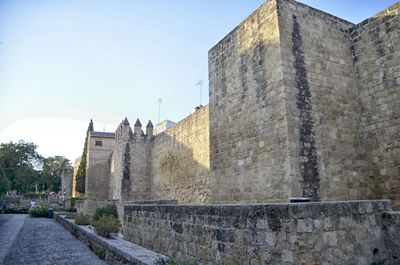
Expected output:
(248, 120)
(181, 160)
(323, 103)
(140, 166)
(313, 233)
(376, 52)
(66, 183)
(130, 167)
(98, 167)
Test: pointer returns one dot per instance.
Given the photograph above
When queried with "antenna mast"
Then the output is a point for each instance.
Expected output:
(159, 109)
(200, 84)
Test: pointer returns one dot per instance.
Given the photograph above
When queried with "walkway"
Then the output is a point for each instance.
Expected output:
(25, 240)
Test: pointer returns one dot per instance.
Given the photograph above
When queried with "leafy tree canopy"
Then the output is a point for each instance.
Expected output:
(23, 169)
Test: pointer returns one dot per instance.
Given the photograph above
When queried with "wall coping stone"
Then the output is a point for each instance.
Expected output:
(298, 210)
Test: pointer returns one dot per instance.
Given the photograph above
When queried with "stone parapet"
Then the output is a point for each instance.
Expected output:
(348, 232)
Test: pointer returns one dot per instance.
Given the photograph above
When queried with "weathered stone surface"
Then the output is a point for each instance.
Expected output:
(180, 161)
(100, 146)
(267, 234)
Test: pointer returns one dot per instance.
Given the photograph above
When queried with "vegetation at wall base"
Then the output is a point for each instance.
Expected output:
(82, 219)
(39, 211)
(81, 173)
(105, 220)
(109, 210)
(172, 261)
(106, 225)
(14, 209)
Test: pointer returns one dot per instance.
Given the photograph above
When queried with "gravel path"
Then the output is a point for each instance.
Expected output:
(42, 241)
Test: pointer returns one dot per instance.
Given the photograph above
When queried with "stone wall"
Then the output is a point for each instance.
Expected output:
(312, 233)
(391, 233)
(248, 121)
(130, 165)
(100, 147)
(181, 160)
(66, 183)
(376, 53)
(302, 104)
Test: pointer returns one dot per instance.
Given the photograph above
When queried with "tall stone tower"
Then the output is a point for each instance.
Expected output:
(303, 103)
(131, 165)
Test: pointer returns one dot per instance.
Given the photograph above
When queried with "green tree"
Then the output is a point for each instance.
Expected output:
(19, 163)
(4, 183)
(51, 172)
(81, 172)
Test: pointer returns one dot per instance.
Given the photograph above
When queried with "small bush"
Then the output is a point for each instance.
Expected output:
(39, 211)
(82, 219)
(109, 210)
(105, 225)
(15, 209)
(71, 216)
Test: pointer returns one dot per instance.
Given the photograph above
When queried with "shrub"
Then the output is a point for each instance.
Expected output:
(109, 210)
(39, 211)
(82, 219)
(105, 225)
(15, 209)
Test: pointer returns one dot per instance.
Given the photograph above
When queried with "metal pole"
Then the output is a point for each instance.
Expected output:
(200, 84)
(159, 109)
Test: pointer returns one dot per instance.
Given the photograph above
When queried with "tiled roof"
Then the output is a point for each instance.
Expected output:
(103, 134)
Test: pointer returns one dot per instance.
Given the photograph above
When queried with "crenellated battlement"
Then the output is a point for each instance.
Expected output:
(124, 131)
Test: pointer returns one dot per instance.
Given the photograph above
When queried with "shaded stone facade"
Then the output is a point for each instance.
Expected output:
(133, 165)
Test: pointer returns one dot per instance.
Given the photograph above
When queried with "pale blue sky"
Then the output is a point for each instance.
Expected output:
(82, 59)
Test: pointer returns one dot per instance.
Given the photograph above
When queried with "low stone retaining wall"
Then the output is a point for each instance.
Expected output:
(351, 232)
(391, 231)
(113, 251)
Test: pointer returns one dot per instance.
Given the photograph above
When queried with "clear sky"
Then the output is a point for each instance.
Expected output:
(66, 61)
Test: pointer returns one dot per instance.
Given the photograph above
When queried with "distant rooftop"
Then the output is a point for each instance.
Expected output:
(102, 134)
(162, 126)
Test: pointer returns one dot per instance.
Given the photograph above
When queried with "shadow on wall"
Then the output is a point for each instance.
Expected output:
(181, 159)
